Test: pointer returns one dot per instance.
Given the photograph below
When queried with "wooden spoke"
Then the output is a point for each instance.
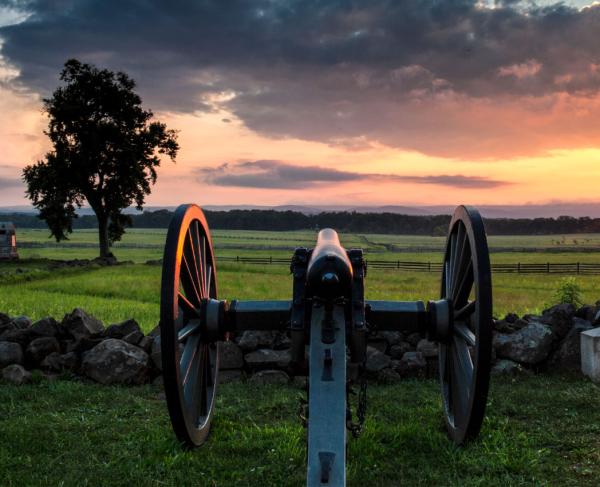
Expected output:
(465, 311)
(189, 329)
(458, 260)
(188, 357)
(463, 290)
(189, 283)
(463, 332)
(192, 258)
(189, 310)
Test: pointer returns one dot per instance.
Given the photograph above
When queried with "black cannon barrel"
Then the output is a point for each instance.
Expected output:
(329, 273)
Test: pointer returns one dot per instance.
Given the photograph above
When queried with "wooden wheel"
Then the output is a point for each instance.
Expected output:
(465, 354)
(190, 359)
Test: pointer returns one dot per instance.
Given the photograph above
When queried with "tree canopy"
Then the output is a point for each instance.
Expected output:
(105, 150)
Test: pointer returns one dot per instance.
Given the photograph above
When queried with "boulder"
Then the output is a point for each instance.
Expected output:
(392, 337)
(529, 345)
(121, 330)
(507, 367)
(504, 326)
(134, 337)
(376, 360)
(414, 338)
(21, 322)
(156, 353)
(146, 343)
(81, 345)
(281, 341)
(10, 353)
(251, 340)
(81, 325)
(300, 382)
(587, 312)
(568, 355)
(427, 348)
(41, 347)
(60, 363)
(265, 358)
(115, 361)
(46, 327)
(16, 374)
(17, 335)
(559, 318)
(4, 319)
(412, 364)
(511, 317)
(398, 351)
(231, 356)
(269, 377)
(378, 344)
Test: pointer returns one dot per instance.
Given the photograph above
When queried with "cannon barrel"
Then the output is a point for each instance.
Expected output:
(329, 273)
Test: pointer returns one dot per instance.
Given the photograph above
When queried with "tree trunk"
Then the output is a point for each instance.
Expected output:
(103, 236)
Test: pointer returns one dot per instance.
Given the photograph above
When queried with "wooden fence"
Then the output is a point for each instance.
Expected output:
(515, 268)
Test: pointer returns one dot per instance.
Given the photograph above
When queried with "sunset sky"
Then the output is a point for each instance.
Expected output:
(330, 102)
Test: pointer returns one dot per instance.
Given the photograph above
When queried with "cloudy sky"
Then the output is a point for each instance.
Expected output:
(332, 102)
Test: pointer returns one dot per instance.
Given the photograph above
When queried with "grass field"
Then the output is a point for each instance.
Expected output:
(116, 293)
(539, 431)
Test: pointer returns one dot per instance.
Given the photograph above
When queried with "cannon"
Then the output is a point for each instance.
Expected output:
(328, 321)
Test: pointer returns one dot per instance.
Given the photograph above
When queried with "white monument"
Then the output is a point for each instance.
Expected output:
(590, 353)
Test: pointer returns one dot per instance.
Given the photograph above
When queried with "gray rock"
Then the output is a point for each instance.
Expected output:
(511, 317)
(530, 345)
(21, 322)
(81, 345)
(376, 360)
(146, 343)
(115, 361)
(134, 337)
(265, 358)
(412, 364)
(389, 376)
(568, 355)
(504, 326)
(559, 318)
(414, 338)
(586, 312)
(10, 353)
(269, 377)
(4, 319)
(392, 337)
(251, 340)
(121, 330)
(156, 353)
(16, 374)
(507, 367)
(227, 376)
(60, 363)
(398, 351)
(81, 325)
(39, 348)
(18, 335)
(281, 341)
(231, 356)
(379, 344)
(47, 327)
(427, 348)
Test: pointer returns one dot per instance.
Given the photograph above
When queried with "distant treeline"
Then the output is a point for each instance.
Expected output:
(390, 223)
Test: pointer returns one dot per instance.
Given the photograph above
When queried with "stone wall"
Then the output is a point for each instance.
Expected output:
(81, 346)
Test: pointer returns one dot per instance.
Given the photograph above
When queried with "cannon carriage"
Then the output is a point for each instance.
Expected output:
(328, 320)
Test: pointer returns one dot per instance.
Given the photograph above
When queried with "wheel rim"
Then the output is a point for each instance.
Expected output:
(465, 357)
(190, 362)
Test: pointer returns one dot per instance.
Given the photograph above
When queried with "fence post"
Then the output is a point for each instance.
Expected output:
(429, 266)
(577, 267)
(518, 268)
(398, 264)
(547, 267)
(237, 258)
(270, 259)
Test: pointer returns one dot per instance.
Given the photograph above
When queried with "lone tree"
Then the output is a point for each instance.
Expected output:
(105, 150)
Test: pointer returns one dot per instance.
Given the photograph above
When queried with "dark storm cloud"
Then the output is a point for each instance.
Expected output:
(271, 174)
(329, 71)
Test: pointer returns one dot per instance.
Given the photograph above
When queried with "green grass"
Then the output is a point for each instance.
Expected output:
(539, 431)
